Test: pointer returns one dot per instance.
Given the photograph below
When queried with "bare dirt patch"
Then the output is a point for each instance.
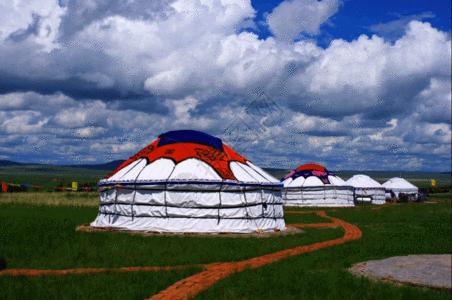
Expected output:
(290, 230)
(432, 271)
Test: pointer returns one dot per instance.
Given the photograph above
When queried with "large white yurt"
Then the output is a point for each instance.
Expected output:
(189, 181)
(314, 185)
(367, 189)
(399, 185)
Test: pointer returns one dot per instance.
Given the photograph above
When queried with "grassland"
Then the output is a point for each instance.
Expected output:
(39, 233)
(44, 228)
(51, 198)
(47, 177)
(389, 231)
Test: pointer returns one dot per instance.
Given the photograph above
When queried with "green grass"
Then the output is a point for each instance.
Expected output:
(294, 278)
(48, 177)
(53, 198)
(388, 231)
(136, 285)
(305, 219)
(42, 236)
(45, 237)
(442, 196)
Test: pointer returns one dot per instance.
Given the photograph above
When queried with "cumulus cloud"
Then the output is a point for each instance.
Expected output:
(372, 76)
(57, 128)
(99, 80)
(434, 102)
(292, 17)
(36, 21)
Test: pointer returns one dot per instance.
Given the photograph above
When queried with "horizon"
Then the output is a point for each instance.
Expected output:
(349, 84)
(274, 168)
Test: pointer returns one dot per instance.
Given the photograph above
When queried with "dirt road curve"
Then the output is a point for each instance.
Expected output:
(214, 272)
(193, 285)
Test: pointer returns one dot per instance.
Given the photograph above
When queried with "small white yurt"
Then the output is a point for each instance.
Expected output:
(314, 185)
(367, 190)
(397, 185)
(189, 181)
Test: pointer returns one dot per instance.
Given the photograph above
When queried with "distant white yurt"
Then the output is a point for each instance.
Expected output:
(399, 185)
(189, 181)
(367, 189)
(314, 185)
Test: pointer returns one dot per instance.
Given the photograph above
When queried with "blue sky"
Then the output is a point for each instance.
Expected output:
(347, 83)
(357, 17)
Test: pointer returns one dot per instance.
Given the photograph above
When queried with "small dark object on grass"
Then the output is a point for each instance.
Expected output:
(422, 197)
(403, 197)
(2, 263)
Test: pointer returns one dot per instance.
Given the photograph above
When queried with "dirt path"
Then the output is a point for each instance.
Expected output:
(60, 272)
(193, 285)
(214, 272)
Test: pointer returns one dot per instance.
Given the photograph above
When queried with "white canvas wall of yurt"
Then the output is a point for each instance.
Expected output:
(189, 181)
(367, 190)
(313, 185)
(396, 186)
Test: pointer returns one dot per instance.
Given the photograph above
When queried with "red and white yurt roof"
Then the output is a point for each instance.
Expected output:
(311, 175)
(186, 155)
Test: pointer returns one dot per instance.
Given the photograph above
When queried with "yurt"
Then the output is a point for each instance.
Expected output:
(314, 185)
(189, 181)
(396, 186)
(367, 190)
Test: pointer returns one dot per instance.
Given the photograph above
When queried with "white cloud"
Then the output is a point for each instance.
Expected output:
(27, 122)
(123, 148)
(91, 128)
(89, 132)
(81, 115)
(190, 64)
(434, 102)
(101, 80)
(372, 75)
(35, 20)
(31, 101)
(292, 17)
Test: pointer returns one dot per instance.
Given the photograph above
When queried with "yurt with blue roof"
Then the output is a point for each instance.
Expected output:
(189, 181)
(313, 185)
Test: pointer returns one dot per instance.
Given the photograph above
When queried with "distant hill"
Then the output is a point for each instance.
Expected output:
(277, 172)
(112, 165)
(47, 177)
(108, 166)
(5, 163)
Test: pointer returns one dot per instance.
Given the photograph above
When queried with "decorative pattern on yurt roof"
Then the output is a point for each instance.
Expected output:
(311, 170)
(185, 144)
